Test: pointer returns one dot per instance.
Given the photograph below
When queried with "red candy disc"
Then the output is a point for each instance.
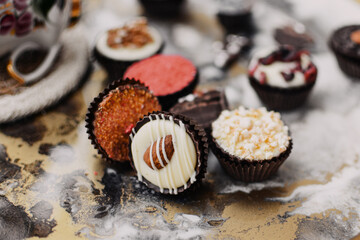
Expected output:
(163, 74)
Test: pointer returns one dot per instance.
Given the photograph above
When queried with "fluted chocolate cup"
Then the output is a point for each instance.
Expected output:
(350, 66)
(163, 8)
(281, 99)
(345, 43)
(249, 170)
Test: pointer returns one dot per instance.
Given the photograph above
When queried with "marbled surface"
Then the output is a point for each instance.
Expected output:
(53, 184)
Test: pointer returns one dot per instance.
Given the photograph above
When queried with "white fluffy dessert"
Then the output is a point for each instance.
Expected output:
(252, 134)
(174, 171)
(130, 53)
(273, 71)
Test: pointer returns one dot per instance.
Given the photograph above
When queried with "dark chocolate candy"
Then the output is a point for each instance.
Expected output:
(347, 49)
(288, 35)
(163, 8)
(342, 43)
(204, 109)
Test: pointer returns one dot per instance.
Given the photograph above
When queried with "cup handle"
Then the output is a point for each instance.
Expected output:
(39, 71)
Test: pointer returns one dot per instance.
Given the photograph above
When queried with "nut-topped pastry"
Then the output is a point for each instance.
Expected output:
(118, 48)
(250, 144)
(113, 114)
(345, 43)
(282, 78)
(169, 152)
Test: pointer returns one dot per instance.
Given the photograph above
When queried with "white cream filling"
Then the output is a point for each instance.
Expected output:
(182, 165)
(254, 134)
(130, 54)
(273, 71)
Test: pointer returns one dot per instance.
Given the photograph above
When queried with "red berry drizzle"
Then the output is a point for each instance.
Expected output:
(262, 79)
(129, 128)
(287, 53)
(310, 73)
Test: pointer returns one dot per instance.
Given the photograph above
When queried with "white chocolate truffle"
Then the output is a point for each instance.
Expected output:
(175, 172)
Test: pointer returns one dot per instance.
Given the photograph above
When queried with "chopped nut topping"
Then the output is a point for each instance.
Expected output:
(131, 35)
(254, 134)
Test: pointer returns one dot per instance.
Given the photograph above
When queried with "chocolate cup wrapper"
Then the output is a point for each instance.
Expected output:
(90, 115)
(200, 140)
(281, 99)
(117, 68)
(249, 170)
(165, 9)
(350, 66)
(241, 22)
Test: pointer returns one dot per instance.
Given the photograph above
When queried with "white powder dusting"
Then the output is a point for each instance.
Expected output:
(132, 224)
(79, 155)
(62, 154)
(249, 187)
(336, 194)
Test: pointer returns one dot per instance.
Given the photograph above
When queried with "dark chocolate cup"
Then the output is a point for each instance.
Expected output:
(167, 101)
(94, 105)
(249, 170)
(237, 22)
(346, 51)
(116, 68)
(350, 66)
(200, 140)
(281, 99)
(163, 8)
